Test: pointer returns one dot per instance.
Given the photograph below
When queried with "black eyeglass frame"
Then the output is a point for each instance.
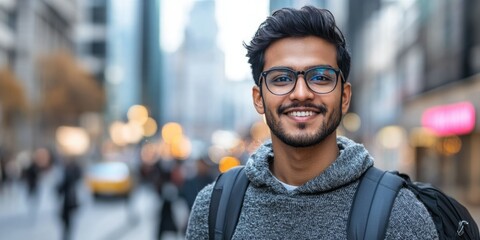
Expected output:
(337, 71)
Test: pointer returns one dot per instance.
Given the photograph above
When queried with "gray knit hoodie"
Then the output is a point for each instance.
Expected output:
(318, 209)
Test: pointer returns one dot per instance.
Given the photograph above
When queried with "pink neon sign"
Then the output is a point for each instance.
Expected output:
(453, 119)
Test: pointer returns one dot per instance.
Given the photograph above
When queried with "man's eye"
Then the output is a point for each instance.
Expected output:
(282, 79)
(321, 79)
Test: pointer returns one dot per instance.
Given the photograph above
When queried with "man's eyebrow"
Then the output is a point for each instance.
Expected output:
(321, 65)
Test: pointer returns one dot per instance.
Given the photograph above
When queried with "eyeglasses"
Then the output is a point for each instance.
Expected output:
(319, 79)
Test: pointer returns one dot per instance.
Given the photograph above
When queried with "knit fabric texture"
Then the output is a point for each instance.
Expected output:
(319, 209)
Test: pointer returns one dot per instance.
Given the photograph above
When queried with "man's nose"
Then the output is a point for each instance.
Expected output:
(301, 91)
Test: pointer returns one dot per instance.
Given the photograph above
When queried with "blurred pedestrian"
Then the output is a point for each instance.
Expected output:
(67, 190)
(3, 165)
(167, 183)
(303, 180)
(11, 171)
(41, 160)
(149, 161)
(192, 185)
(32, 177)
(200, 178)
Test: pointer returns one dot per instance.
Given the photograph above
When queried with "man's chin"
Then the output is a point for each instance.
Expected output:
(301, 141)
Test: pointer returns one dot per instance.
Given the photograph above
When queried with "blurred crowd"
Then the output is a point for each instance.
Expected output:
(172, 180)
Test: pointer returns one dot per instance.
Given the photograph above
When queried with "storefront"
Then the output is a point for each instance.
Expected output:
(444, 136)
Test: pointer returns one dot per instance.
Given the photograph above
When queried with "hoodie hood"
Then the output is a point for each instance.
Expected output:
(351, 163)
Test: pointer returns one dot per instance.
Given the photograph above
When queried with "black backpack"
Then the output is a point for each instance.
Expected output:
(370, 211)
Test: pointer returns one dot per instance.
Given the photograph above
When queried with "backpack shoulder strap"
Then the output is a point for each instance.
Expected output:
(372, 204)
(226, 203)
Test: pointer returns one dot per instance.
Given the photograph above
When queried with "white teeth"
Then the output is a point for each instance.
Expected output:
(301, 113)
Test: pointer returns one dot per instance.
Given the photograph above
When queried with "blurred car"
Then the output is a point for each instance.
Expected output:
(109, 179)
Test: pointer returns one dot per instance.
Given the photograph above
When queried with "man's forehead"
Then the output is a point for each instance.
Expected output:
(300, 53)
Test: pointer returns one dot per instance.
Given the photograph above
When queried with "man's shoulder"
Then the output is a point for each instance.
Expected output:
(407, 197)
(203, 196)
(406, 204)
(198, 220)
(410, 217)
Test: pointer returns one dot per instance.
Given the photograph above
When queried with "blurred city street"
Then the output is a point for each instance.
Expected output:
(101, 219)
(153, 99)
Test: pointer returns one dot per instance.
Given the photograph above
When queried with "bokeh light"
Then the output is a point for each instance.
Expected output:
(391, 137)
(181, 147)
(352, 122)
(138, 114)
(449, 145)
(227, 163)
(171, 131)
(150, 127)
(72, 141)
(422, 137)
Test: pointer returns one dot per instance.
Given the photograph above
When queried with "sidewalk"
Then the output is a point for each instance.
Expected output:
(95, 220)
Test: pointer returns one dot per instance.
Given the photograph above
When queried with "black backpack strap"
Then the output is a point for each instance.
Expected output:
(226, 203)
(372, 204)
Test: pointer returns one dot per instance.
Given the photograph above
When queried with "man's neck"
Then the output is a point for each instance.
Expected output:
(296, 166)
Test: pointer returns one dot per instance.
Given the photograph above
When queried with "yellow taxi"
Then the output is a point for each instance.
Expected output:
(109, 179)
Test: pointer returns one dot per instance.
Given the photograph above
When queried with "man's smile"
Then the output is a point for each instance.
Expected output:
(301, 113)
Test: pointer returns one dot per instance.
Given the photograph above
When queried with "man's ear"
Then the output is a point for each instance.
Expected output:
(346, 97)
(257, 99)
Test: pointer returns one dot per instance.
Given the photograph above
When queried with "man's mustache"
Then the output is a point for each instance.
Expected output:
(322, 109)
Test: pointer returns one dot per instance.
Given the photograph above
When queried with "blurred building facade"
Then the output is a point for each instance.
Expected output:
(200, 76)
(7, 29)
(42, 27)
(123, 70)
(31, 30)
(151, 77)
(133, 57)
(416, 79)
(91, 36)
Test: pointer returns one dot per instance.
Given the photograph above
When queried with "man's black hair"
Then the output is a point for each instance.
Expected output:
(289, 22)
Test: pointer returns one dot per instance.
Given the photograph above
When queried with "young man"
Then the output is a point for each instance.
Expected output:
(303, 181)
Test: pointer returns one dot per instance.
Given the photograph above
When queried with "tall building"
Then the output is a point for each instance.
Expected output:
(151, 58)
(124, 55)
(31, 30)
(91, 36)
(7, 30)
(198, 78)
(133, 58)
(42, 27)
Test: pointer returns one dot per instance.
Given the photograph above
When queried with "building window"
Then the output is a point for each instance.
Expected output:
(99, 14)
(98, 49)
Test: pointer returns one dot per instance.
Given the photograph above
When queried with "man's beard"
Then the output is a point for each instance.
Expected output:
(305, 139)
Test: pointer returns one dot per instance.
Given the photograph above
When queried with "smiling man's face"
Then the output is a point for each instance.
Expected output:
(302, 118)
